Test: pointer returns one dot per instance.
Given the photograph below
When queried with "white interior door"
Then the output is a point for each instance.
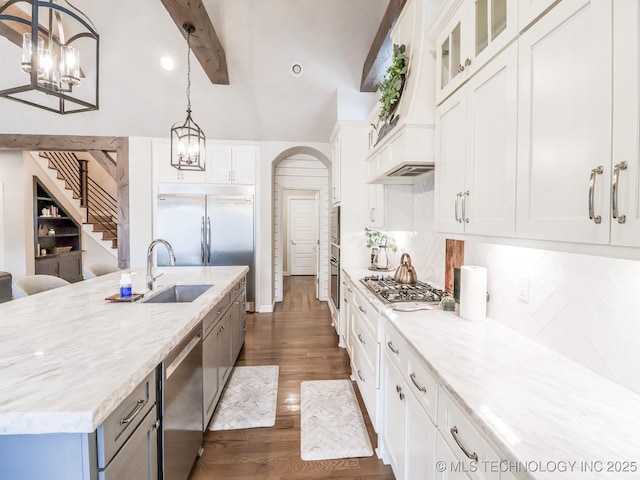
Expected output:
(316, 201)
(303, 236)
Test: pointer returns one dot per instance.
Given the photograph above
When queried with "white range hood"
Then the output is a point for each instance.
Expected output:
(408, 150)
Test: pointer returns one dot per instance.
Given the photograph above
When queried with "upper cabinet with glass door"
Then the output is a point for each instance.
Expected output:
(476, 31)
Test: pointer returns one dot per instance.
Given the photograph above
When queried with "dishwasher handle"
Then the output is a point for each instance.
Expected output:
(173, 366)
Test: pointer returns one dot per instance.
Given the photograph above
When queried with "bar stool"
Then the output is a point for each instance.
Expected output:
(98, 269)
(32, 284)
(5, 287)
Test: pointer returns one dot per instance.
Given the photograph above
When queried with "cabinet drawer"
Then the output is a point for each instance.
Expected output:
(363, 337)
(216, 313)
(138, 459)
(452, 470)
(369, 314)
(423, 386)
(396, 348)
(465, 441)
(115, 430)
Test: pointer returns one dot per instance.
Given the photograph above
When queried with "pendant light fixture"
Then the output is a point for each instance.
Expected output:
(45, 40)
(187, 139)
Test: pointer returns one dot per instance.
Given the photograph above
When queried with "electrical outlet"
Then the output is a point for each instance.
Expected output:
(523, 289)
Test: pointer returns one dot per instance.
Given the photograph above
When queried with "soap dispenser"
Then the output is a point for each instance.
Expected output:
(125, 285)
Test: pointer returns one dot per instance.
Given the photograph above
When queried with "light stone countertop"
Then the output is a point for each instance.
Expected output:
(68, 357)
(535, 405)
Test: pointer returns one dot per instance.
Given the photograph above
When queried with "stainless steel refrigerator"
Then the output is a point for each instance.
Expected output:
(208, 225)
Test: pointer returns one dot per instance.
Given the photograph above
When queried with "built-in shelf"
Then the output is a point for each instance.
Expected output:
(67, 265)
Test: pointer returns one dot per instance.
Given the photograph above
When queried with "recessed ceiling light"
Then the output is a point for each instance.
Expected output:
(296, 70)
(167, 63)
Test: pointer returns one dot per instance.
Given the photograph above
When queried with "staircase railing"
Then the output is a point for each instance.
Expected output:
(101, 207)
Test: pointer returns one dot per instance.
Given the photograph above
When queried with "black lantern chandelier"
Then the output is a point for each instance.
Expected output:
(187, 139)
(46, 41)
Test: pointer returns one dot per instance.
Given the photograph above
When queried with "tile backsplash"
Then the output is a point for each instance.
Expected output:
(584, 307)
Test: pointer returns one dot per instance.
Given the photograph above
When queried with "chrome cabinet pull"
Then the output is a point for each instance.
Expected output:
(361, 339)
(454, 434)
(614, 192)
(360, 375)
(394, 350)
(458, 196)
(592, 188)
(465, 195)
(398, 388)
(135, 412)
(362, 309)
(401, 395)
(417, 385)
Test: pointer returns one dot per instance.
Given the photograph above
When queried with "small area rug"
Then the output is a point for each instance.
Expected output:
(249, 399)
(331, 422)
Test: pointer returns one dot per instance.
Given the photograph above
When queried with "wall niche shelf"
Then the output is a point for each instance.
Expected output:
(57, 235)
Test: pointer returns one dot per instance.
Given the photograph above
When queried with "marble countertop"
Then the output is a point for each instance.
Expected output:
(68, 356)
(542, 410)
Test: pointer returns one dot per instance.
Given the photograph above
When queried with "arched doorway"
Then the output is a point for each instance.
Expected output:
(300, 174)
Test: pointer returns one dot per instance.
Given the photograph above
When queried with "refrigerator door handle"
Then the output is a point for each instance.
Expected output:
(208, 239)
(202, 239)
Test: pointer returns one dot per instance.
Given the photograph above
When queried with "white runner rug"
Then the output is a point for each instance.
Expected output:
(249, 400)
(332, 424)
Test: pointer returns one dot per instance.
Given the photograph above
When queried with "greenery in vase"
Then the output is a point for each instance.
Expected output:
(375, 236)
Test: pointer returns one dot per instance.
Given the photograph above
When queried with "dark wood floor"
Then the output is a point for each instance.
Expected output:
(298, 337)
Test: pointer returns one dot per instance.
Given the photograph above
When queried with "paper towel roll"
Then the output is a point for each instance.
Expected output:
(473, 292)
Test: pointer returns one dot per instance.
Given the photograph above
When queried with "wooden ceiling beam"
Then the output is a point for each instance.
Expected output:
(374, 66)
(205, 43)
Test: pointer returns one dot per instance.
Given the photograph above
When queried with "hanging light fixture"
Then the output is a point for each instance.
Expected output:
(51, 38)
(187, 139)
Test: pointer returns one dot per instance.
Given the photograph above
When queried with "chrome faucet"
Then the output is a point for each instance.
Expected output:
(150, 277)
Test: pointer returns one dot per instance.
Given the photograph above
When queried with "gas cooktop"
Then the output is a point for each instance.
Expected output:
(390, 291)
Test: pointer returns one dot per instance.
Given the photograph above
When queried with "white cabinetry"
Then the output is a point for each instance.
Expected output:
(625, 226)
(164, 172)
(564, 124)
(365, 358)
(390, 207)
(529, 10)
(474, 33)
(465, 441)
(231, 164)
(395, 416)
(335, 167)
(225, 164)
(476, 152)
(410, 397)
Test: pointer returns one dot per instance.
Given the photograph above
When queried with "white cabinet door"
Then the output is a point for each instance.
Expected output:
(231, 164)
(218, 163)
(490, 172)
(335, 169)
(164, 172)
(421, 442)
(625, 227)
(452, 54)
(394, 402)
(375, 206)
(243, 162)
(564, 123)
(450, 161)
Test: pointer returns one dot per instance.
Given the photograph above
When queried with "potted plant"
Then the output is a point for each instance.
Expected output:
(390, 89)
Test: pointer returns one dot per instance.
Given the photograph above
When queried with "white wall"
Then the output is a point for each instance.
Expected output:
(582, 306)
(15, 215)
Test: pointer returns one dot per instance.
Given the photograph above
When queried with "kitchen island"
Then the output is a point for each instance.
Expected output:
(69, 357)
(545, 416)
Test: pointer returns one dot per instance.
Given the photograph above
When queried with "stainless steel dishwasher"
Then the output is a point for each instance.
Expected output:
(182, 406)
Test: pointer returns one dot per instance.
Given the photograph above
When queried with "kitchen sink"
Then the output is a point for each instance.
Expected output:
(178, 294)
